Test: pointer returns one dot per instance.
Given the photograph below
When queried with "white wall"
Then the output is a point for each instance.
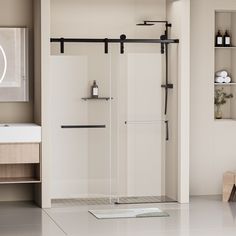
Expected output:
(105, 18)
(212, 142)
(45, 102)
(178, 13)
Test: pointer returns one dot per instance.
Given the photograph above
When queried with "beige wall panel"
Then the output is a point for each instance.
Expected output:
(212, 147)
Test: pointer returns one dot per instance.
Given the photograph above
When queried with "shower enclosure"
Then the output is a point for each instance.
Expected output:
(112, 148)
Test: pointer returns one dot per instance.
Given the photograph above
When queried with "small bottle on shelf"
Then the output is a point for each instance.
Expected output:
(94, 90)
(227, 39)
(219, 39)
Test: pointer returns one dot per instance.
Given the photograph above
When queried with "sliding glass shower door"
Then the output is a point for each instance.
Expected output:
(139, 127)
(113, 148)
(81, 127)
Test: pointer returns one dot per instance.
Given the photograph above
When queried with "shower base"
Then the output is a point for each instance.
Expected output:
(57, 203)
(146, 199)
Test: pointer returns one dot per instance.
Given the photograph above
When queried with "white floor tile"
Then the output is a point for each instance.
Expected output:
(26, 219)
(204, 216)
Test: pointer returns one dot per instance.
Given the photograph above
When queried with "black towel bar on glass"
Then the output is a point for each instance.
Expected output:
(83, 126)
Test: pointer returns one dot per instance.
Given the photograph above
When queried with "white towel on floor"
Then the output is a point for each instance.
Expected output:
(222, 73)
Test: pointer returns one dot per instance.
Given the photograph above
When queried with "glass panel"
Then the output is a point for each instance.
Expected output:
(138, 124)
(128, 160)
(14, 82)
(84, 160)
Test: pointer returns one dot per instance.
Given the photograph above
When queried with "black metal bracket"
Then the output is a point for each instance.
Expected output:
(106, 45)
(167, 86)
(163, 37)
(122, 39)
(62, 45)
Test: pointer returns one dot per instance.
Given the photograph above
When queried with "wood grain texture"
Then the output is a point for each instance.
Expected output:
(17, 170)
(21, 180)
(19, 173)
(229, 181)
(19, 153)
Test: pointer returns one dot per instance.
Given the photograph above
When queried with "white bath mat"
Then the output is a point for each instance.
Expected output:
(128, 213)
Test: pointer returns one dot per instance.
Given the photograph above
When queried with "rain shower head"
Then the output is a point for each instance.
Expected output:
(145, 23)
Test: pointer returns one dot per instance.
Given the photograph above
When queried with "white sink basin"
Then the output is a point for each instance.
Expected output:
(20, 133)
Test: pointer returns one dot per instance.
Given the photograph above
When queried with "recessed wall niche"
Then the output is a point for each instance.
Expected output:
(225, 59)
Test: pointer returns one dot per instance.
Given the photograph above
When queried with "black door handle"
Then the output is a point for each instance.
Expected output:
(167, 130)
(83, 126)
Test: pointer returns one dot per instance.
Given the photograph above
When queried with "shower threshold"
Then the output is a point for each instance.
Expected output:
(58, 203)
(144, 200)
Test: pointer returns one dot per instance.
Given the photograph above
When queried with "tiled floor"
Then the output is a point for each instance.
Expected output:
(25, 219)
(205, 216)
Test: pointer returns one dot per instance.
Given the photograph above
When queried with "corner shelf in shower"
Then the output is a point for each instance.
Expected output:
(232, 47)
(225, 120)
(101, 98)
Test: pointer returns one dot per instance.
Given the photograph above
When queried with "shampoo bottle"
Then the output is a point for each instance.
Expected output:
(94, 90)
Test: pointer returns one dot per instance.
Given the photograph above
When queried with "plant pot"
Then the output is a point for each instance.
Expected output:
(218, 112)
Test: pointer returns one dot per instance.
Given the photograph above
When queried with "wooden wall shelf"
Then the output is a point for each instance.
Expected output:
(225, 47)
(225, 84)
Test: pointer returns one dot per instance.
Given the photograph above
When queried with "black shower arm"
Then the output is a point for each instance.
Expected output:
(159, 22)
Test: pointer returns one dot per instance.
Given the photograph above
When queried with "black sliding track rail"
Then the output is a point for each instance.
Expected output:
(96, 40)
(122, 40)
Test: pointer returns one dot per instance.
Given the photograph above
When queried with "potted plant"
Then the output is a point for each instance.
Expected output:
(220, 99)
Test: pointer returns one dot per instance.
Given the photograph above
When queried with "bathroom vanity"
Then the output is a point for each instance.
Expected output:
(20, 101)
(20, 153)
